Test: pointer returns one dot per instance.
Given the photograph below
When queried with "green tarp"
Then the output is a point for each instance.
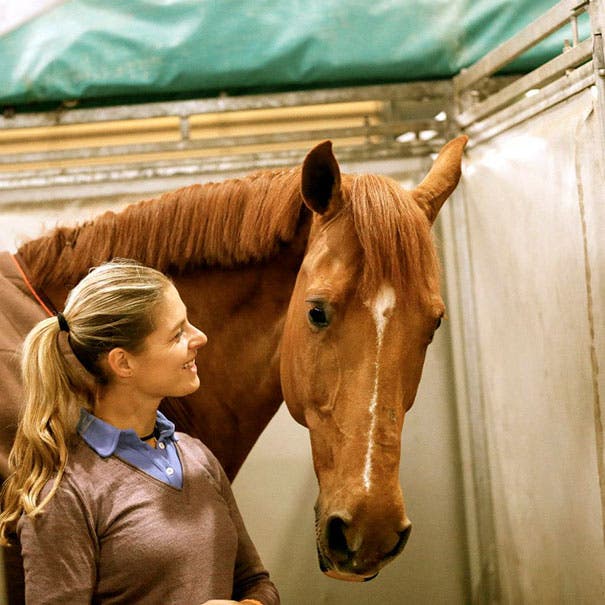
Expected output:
(148, 49)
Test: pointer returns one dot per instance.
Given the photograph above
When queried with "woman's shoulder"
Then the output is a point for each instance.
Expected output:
(76, 485)
(88, 472)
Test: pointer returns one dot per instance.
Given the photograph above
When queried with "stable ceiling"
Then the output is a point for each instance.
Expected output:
(90, 52)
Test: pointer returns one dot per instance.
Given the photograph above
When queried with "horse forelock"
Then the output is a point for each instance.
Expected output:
(395, 236)
(215, 224)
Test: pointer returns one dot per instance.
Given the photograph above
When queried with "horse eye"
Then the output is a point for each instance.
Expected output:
(318, 317)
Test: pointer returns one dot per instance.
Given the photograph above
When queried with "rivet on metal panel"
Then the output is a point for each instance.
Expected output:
(598, 54)
(184, 124)
(574, 30)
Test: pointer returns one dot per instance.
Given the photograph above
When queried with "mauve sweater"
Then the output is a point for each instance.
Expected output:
(114, 535)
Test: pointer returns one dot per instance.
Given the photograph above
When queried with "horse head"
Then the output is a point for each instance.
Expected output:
(363, 311)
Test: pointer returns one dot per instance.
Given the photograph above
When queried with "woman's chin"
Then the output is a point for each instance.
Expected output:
(192, 386)
(195, 385)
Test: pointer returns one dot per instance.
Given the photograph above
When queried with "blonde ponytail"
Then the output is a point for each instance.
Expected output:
(47, 426)
(110, 307)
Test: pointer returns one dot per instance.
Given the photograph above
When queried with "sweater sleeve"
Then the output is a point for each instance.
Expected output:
(59, 551)
(251, 579)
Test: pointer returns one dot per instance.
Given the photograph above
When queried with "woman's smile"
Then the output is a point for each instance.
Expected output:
(191, 366)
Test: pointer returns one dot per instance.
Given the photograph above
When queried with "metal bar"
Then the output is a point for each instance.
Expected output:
(284, 158)
(554, 93)
(575, 37)
(392, 129)
(597, 22)
(549, 71)
(485, 567)
(55, 184)
(418, 91)
(529, 36)
(184, 128)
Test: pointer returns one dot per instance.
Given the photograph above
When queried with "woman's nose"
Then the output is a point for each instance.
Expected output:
(199, 339)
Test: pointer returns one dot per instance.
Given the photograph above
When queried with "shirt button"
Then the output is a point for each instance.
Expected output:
(170, 471)
(161, 445)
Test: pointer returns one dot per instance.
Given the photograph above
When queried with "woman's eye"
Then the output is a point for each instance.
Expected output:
(318, 317)
(178, 335)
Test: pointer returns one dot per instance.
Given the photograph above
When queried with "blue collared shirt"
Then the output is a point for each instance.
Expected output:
(161, 462)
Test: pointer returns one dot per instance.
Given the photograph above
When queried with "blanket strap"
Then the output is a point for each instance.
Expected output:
(30, 286)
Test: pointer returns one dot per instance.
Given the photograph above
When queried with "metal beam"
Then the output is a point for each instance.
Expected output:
(544, 74)
(597, 22)
(523, 110)
(37, 186)
(413, 91)
(535, 32)
(390, 130)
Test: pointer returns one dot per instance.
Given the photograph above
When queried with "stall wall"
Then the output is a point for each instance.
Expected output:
(531, 207)
(276, 488)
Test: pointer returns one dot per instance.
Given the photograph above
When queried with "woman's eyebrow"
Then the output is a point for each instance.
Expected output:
(178, 325)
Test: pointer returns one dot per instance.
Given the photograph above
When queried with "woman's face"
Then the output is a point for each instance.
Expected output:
(166, 367)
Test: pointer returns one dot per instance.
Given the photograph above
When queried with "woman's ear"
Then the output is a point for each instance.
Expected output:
(118, 361)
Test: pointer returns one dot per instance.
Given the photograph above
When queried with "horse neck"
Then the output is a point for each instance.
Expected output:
(242, 311)
(230, 223)
(242, 308)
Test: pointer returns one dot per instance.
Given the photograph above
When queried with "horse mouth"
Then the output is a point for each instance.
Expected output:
(331, 571)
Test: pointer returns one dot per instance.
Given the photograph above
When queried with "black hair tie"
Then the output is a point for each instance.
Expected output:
(63, 325)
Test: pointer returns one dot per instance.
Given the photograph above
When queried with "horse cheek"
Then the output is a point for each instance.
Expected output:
(294, 372)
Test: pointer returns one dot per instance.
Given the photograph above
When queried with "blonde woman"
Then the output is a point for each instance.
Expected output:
(108, 503)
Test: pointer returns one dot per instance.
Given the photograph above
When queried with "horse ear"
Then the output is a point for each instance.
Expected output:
(320, 178)
(442, 178)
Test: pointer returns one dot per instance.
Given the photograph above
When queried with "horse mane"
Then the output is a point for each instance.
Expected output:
(395, 235)
(221, 224)
(239, 221)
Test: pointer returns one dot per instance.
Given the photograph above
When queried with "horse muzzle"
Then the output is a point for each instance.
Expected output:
(349, 552)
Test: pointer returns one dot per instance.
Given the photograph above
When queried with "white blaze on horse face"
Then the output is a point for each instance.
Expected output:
(381, 308)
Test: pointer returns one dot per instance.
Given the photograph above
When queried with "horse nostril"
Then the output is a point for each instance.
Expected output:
(403, 538)
(337, 540)
(344, 545)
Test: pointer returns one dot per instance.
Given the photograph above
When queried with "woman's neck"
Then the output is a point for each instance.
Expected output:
(120, 408)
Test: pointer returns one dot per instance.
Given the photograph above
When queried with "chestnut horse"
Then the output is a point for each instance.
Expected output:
(313, 287)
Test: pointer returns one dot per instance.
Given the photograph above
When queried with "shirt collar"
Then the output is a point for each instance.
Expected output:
(104, 438)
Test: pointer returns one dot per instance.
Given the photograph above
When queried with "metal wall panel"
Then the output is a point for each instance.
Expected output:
(530, 207)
